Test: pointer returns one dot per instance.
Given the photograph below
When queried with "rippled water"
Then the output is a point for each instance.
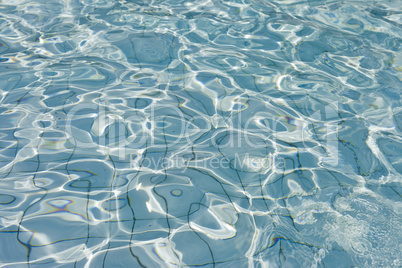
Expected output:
(200, 133)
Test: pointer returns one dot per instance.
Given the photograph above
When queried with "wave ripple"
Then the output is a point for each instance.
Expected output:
(200, 133)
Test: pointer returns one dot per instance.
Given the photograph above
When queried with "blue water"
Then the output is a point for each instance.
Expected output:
(200, 133)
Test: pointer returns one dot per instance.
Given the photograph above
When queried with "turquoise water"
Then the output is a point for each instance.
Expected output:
(200, 133)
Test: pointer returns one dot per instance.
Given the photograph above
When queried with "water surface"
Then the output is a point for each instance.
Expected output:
(200, 133)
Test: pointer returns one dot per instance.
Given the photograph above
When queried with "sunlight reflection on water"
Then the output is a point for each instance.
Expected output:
(210, 133)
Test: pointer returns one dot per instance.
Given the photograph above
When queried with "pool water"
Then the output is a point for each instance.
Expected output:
(206, 133)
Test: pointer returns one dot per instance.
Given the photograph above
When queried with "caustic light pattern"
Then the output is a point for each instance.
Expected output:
(205, 133)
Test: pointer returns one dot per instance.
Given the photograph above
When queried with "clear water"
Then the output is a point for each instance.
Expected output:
(200, 133)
